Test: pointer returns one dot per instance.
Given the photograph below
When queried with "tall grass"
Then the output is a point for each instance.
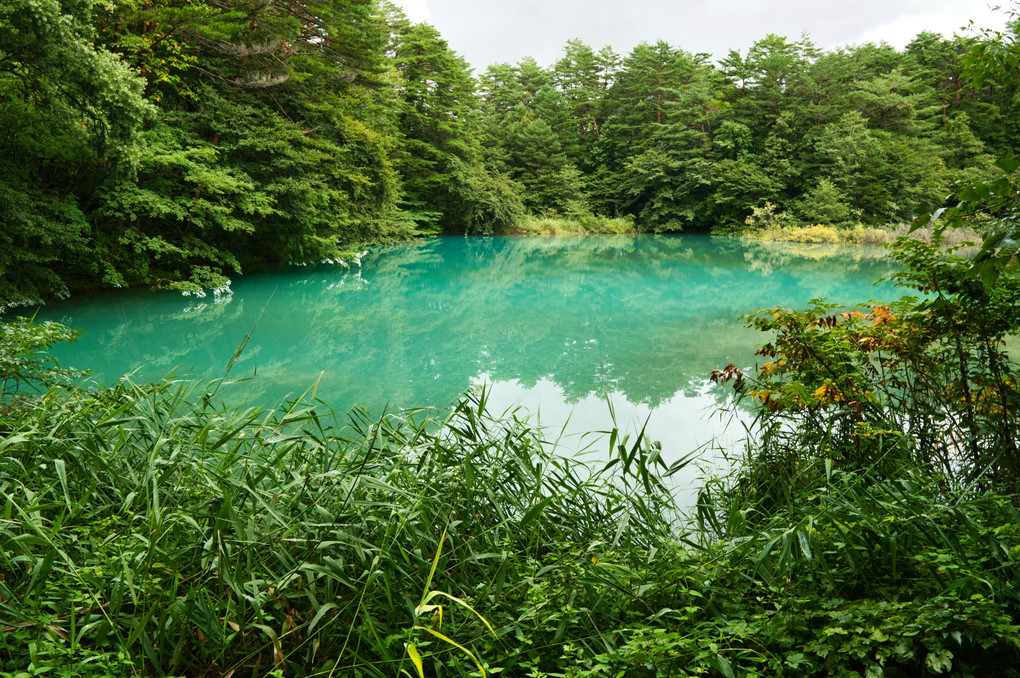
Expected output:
(147, 530)
(862, 235)
(199, 541)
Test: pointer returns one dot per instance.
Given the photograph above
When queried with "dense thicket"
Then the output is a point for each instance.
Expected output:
(178, 141)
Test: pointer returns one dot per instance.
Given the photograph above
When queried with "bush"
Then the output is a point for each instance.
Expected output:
(25, 361)
(921, 383)
(766, 218)
(869, 235)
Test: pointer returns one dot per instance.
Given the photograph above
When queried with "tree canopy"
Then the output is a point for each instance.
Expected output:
(176, 142)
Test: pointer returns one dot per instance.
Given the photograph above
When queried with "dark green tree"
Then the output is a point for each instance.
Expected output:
(439, 156)
(66, 106)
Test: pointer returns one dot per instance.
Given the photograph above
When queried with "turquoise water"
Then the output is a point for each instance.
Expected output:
(552, 324)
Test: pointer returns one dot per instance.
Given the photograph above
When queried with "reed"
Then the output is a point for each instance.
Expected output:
(145, 522)
(149, 530)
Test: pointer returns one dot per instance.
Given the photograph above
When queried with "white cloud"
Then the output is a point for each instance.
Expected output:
(416, 10)
(947, 18)
(493, 31)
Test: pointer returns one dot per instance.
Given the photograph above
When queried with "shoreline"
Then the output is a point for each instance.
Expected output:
(584, 226)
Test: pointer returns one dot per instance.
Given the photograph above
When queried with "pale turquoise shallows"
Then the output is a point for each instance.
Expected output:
(551, 323)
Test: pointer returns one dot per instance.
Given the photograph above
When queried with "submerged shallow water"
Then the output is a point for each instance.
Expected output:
(556, 325)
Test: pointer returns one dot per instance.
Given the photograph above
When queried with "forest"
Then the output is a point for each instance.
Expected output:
(179, 142)
(869, 526)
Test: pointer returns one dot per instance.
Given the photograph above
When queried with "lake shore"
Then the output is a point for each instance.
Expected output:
(858, 234)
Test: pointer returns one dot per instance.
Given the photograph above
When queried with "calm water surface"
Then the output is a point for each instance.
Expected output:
(556, 325)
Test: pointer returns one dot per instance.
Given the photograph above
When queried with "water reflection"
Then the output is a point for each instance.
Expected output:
(694, 429)
(557, 321)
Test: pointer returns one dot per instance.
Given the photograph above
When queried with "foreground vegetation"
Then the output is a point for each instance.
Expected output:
(871, 527)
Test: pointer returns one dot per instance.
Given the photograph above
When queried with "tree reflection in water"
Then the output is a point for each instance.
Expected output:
(555, 323)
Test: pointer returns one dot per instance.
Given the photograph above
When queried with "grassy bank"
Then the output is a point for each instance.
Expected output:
(859, 234)
(582, 225)
(144, 530)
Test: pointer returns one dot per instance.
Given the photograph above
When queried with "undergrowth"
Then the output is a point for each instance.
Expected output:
(871, 530)
(144, 531)
(860, 234)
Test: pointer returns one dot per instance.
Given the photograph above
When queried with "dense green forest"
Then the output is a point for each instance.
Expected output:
(177, 142)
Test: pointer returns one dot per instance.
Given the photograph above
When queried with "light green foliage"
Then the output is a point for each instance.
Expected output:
(292, 134)
(25, 361)
(660, 188)
(772, 64)
(825, 204)
(847, 148)
(242, 184)
(963, 149)
(48, 53)
(733, 140)
(766, 217)
(888, 102)
(888, 177)
(924, 383)
(739, 186)
(816, 233)
(487, 201)
(446, 183)
(582, 75)
(260, 151)
(872, 529)
(658, 98)
(993, 202)
(538, 129)
(40, 227)
(182, 200)
(575, 225)
(350, 518)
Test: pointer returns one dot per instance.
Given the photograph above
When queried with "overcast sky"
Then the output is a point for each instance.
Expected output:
(493, 31)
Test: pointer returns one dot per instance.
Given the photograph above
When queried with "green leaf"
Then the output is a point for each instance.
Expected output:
(974, 192)
(457, 601)
(534, 512)
(805, 543)
(412, 652)
(1008, 163)
(58, 465)
(450, 641)
(724, 666)
(320, 614)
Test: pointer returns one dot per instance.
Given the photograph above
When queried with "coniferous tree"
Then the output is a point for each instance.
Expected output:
(445, 182)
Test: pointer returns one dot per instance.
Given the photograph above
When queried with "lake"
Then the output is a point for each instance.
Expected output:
(556, 325)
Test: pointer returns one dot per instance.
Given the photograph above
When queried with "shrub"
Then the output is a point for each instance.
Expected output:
(25, 361)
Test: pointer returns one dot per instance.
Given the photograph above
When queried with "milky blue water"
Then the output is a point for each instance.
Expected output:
(556, 325)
